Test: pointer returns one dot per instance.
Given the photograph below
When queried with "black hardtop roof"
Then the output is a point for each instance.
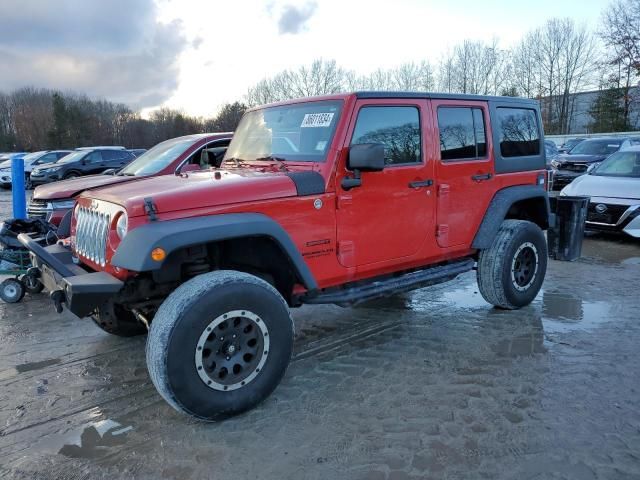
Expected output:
(446, 96)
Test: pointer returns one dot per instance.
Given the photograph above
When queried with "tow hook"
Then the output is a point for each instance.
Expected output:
(58, 299)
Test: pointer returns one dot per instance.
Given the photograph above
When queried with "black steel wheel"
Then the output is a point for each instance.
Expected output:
(524, 266)
(232, 350)
(12, 290)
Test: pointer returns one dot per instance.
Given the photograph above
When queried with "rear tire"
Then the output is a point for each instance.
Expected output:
(219, 344)
(511, 271)
(118, 321)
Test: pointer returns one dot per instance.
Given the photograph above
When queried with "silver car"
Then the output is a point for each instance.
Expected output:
(614, 188)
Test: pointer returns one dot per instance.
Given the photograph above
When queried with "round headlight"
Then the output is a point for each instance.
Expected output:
(121, 226)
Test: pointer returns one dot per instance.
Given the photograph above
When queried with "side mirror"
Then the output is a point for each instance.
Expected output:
(366, 157)
(592, 167)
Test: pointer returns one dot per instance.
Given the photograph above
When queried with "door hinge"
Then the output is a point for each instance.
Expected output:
(443, 189)
(442, 230)
(343, 200)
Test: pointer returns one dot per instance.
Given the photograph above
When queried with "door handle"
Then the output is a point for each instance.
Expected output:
(480, 178)
(421, 183)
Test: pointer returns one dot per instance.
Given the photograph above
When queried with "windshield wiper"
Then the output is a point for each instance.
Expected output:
(273, 158)
(238, 161)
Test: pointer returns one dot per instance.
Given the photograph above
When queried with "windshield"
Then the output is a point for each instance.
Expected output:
(159, 157)
(569, 144)
(34, 156)
(73, 157)
(299, 132)
(621, 164)
(596, 147)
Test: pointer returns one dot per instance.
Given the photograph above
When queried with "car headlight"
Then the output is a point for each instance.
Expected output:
(555, 163)
(61, 204)
(49, 170)
(122, 225)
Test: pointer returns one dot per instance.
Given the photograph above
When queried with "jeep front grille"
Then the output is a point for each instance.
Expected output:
(37, 209)
(92, 230)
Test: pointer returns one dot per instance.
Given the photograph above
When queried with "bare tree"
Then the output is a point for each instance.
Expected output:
(620, 33)
(475, 67)
(552, 63)
(320, 78)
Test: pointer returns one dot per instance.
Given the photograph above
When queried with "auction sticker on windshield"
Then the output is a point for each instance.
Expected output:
(316, 120)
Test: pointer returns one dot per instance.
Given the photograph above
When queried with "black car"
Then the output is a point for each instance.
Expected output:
(82, 161)
(568, 166)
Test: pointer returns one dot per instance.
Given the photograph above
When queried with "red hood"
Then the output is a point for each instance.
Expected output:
(72, 187)
(198, 190)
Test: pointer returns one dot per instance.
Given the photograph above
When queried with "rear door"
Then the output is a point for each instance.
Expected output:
(389, 216)
(116, 158)
(93, 163)
(465, 169)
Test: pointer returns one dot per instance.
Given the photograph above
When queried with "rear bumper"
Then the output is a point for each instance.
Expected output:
(80, 291)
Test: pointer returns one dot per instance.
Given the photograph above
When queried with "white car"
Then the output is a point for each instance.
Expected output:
(614, 188)
(31, 160)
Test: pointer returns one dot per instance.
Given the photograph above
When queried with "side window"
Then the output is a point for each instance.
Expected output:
(59, 155)
(48, 158)
(519, 133)
(93, 157)
(397, 128)
(462, 133)
(110, 155)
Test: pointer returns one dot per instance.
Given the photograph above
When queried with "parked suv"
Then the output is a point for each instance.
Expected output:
(569, 166)
(83, 161)
(31, 161)
(336, 199)
(51, 202)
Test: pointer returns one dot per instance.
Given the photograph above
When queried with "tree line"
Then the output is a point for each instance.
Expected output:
(550, 63)
(34, 119)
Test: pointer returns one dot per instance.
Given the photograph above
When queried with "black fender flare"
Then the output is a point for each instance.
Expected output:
(134, 252)
(499, 207)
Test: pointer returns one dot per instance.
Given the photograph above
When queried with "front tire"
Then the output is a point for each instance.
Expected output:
(219, 344)
(512, 269)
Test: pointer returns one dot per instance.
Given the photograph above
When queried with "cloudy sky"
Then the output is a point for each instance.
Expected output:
(199, 54)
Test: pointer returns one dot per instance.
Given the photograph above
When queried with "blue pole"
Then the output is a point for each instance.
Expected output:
(17, 186)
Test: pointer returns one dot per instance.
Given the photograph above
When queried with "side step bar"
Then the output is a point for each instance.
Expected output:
(382, 287)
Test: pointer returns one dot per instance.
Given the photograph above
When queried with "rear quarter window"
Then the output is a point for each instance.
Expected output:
(519, 134)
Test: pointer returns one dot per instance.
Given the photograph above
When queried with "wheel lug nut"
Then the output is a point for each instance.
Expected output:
(228, 358)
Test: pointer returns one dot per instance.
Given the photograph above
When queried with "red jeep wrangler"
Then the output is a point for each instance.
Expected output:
(337, 199)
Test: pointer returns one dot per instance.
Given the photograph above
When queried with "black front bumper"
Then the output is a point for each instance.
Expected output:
(80, 291)
(562, 178)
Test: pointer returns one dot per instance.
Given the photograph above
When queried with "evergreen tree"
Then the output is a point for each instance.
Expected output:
(608, 112)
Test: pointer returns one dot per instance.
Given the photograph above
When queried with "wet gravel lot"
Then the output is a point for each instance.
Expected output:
(433, 384)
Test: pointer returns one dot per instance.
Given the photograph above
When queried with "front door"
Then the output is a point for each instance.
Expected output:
(465, 170)
(389, 216)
